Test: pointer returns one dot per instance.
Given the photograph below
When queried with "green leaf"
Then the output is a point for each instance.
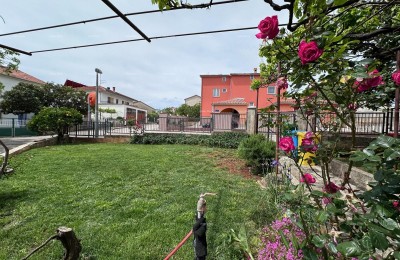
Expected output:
(349, 248)
(396, 255)
(378, 176)
(380, 210)
(322, 217)
(389, 224)
(317, 193)
(284, 240)
(332, 247)
(318, 241)
(366, 243)
(378, 240)
(340, 2)
(309, 254)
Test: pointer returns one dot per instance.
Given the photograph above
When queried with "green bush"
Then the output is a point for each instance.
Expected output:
(257, 150)
(55, 120)
(223, 140)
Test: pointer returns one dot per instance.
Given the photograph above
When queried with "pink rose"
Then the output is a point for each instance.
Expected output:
(331, 188)
(309, 135)
(326, 200)
(352, 106)
(268, 28)
(396, 77)
(372, 81)
(286, 144)
(396, 204)
(309, 52)
(281, 83)
(307, 178)
(308, 145)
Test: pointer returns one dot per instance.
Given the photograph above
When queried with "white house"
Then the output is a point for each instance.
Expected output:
(193, 100)
(10, 80)
(125, 107)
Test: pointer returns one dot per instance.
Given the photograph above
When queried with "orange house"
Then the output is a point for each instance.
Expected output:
(232, 93)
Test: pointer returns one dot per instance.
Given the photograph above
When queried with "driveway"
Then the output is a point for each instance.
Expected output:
(20, 142)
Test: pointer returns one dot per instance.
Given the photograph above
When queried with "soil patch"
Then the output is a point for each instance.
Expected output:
(230, 161)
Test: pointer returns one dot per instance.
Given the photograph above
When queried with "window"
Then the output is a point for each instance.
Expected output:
(251, 77)
(271, 90)
(223, 79)
(251, 104)
(109, 100)
(116, 101)
(224, 90)
(216, 92)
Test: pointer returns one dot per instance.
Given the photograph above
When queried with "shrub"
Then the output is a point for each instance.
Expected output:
(257, 150)
(55, 120)
(223, 140)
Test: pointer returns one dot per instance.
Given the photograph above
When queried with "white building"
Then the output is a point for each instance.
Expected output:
(124, 106)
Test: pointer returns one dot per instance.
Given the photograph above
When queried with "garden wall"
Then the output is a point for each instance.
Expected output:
(358, 177)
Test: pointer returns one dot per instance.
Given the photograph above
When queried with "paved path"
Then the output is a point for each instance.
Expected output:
(20, 142)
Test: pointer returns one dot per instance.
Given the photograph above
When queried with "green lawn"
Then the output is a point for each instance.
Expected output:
(123, 201)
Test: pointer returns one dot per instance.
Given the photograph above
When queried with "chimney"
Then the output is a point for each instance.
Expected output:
(255, 70)
(114, 89)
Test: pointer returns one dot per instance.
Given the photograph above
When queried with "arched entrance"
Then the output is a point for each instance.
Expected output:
(235, 116)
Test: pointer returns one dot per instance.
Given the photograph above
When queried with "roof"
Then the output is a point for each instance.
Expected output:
(20, 75)
(85, 88)
(235, 101)
(227, 75)
(193, 97)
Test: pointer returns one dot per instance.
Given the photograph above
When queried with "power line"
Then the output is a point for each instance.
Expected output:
(15, 50)
(141, 39)
(110, 17)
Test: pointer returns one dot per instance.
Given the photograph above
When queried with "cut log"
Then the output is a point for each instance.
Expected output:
(70, 242)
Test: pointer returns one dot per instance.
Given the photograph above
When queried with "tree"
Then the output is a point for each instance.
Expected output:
(56, 95)
(8, 59)
(189, 111)
(152, 116)
(30, 98)
(55, 120)
(169, 111)
(23, 98)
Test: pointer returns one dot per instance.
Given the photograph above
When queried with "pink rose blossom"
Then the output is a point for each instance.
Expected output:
(396, 204)
(286, 144)
(396, 77)
(352, 106)
(307, 178)
(268, 28)
(281, 83)
(331, 188)
(372, 81)
(309, 52)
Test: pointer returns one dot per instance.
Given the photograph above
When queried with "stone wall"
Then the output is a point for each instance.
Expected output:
(358, 177)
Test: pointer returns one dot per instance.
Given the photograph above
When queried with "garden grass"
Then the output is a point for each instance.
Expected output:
(123, 201)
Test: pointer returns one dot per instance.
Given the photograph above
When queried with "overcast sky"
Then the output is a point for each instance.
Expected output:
(161, 73)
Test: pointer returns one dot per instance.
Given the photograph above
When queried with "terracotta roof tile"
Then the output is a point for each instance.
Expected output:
(21, 75)
(235, 101)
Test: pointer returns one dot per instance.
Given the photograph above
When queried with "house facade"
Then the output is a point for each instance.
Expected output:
(193, 100)
(232, 93)
(10, 80)
(109, 99)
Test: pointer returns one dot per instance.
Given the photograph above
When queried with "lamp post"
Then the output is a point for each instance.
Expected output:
(96, 125)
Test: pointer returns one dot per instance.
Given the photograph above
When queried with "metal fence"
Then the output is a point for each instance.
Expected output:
(366, 123)
(15, 127)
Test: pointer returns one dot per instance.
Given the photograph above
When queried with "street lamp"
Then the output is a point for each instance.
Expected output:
(96, 125)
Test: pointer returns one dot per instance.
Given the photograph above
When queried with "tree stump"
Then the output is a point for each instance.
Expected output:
(70, 242)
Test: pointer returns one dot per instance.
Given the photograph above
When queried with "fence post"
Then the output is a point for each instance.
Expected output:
(383, 123)
(251, 120)
(13, 128)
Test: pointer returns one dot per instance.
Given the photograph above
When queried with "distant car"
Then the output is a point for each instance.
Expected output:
(207, 125)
